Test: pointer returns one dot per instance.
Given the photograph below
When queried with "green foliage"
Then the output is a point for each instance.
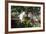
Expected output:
(27, 22)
